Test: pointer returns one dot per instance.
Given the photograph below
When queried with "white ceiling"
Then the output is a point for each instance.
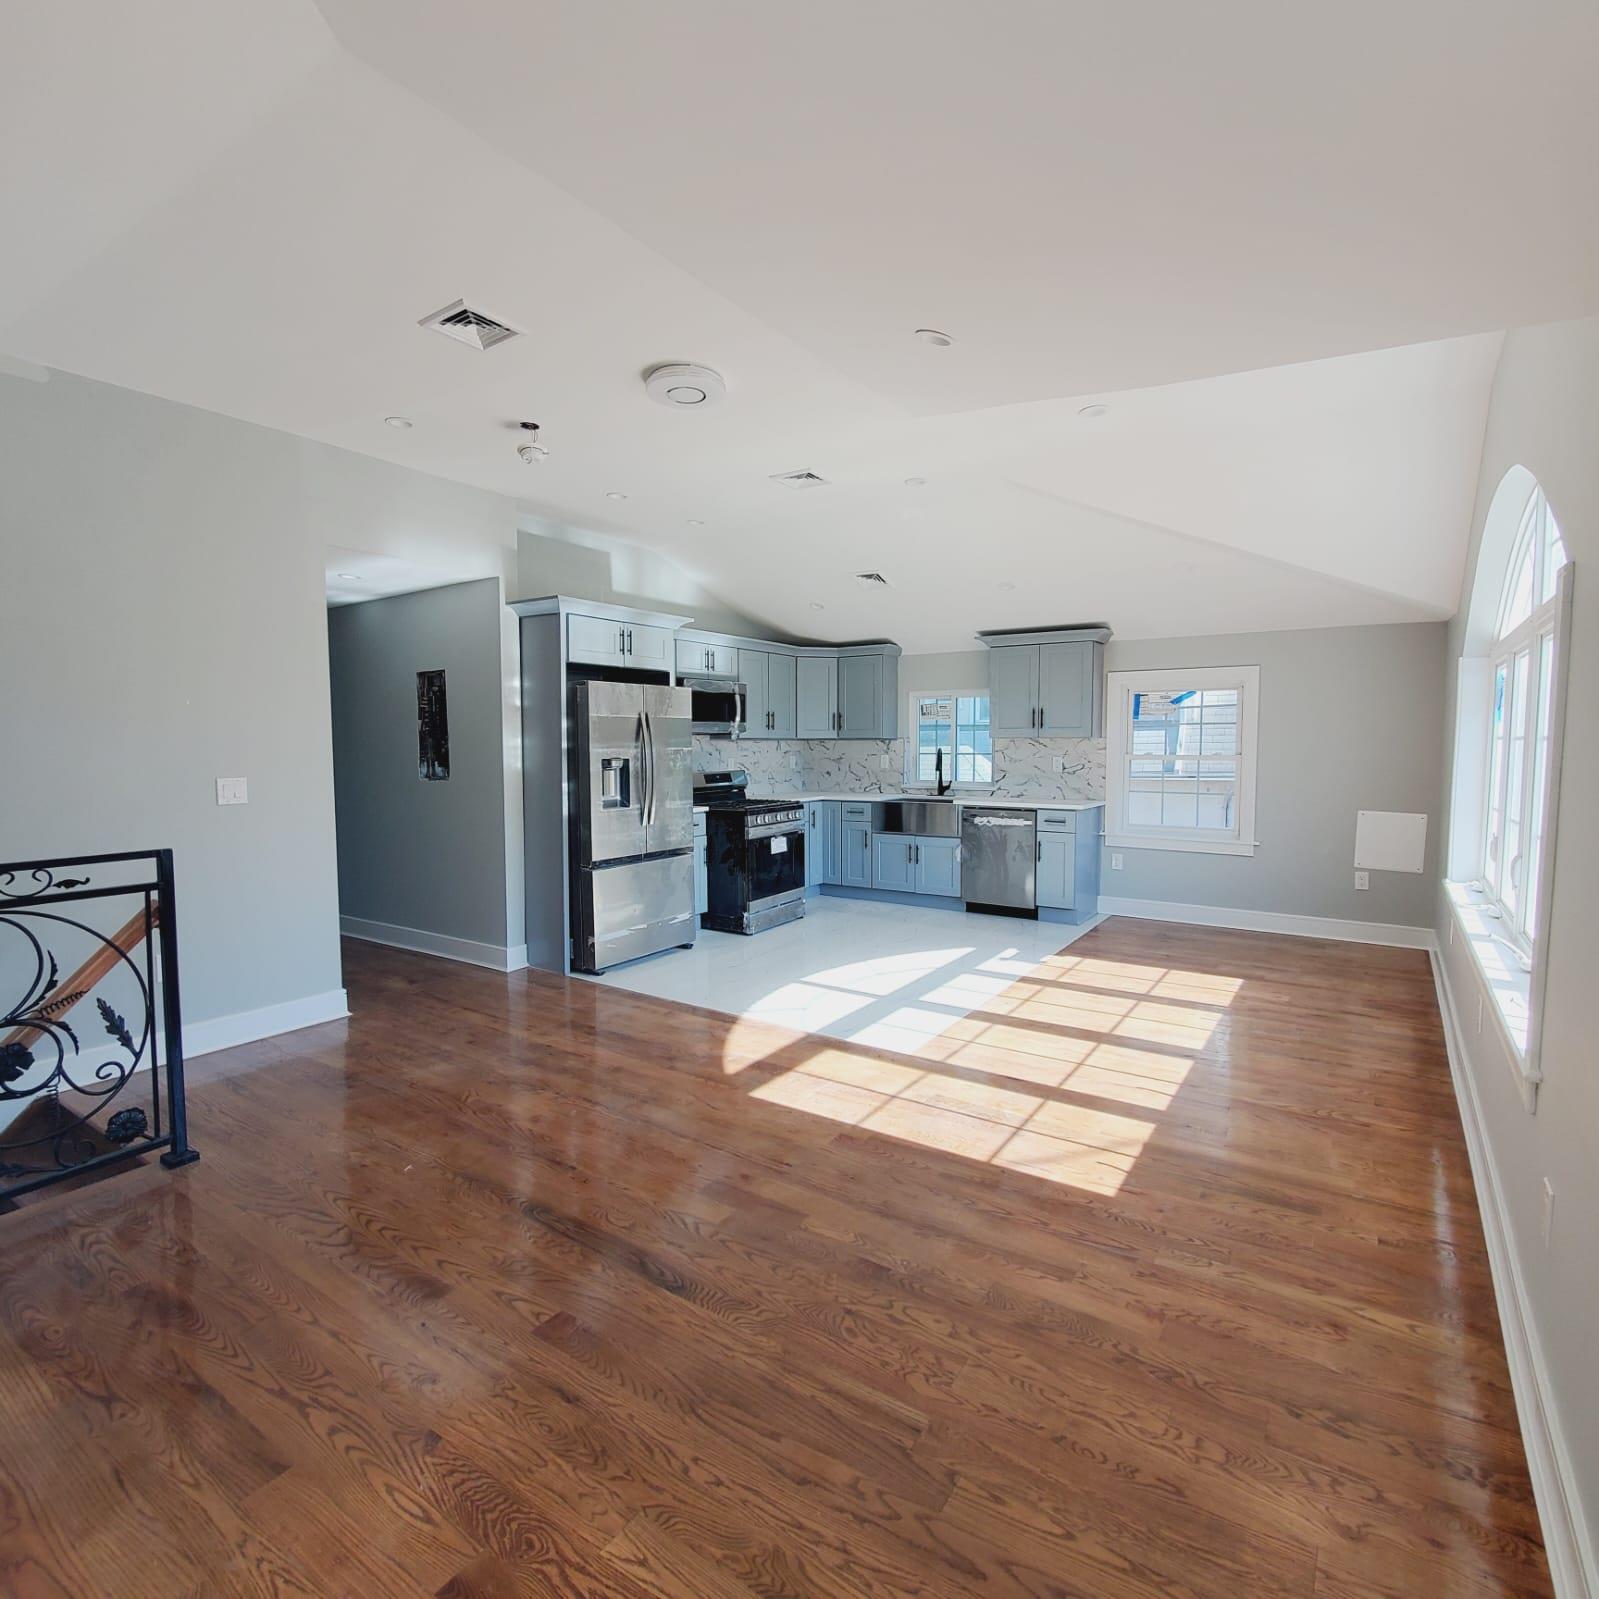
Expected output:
(228, 203)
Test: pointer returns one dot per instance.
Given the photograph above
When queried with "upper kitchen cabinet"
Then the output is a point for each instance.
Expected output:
(768, 679)
(615, 636)
(1047, 684)
(849, 693)
(817, 696)
(781, 696)
(697, 657)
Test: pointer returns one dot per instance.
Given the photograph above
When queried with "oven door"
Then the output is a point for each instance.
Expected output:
(718, 705)
(775, 869)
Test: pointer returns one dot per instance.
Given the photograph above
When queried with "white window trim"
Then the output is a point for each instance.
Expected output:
(1119, 688)
(912, 780)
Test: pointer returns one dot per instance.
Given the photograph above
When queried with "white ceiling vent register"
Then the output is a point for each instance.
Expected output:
(873, 577)
(684, 385)
(464, 322)
(799, 480)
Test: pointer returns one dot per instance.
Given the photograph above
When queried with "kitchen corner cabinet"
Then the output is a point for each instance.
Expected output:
(1046, 689)
(816, 696)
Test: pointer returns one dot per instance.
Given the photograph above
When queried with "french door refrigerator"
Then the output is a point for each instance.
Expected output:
(632, 822)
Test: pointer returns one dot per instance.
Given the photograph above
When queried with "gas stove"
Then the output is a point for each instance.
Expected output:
(755, 855)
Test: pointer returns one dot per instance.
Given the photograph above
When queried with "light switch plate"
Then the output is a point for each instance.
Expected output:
(233, 791)
(1115, 860)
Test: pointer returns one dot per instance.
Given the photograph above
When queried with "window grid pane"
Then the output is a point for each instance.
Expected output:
(1183, 760)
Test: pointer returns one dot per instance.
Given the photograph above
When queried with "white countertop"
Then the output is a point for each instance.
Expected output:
(958, 799)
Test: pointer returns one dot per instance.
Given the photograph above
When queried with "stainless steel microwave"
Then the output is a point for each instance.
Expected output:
(718, 704)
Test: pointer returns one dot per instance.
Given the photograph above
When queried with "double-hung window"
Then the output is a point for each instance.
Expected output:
(1180, 759)
(956, 725)
(1522, 664)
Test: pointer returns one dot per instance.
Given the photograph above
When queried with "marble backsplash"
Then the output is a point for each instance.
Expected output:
(1024, 768)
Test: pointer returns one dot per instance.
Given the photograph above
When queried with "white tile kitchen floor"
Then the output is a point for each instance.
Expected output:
(892, 976)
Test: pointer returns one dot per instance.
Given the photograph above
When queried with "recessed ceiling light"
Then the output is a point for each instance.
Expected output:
(349, 577)
(1007, 585)
(399, 421)
(615, 494)
(816, 605)
(1096, 409)
(914, 482)
(933, 336)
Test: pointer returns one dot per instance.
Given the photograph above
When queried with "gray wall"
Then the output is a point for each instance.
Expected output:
(429, 856)
(1544, 415)
(617, 573)
(1349, 721)
(163, 623)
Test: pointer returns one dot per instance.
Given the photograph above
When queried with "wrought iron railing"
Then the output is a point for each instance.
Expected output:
(69, 1100)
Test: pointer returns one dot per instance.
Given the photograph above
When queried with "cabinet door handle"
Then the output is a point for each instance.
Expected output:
(1039, 854)
(1040, 718)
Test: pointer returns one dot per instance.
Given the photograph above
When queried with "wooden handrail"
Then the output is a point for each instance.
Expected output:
(82, 983)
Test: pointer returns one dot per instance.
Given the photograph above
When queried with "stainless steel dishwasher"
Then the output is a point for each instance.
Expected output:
(998, 852)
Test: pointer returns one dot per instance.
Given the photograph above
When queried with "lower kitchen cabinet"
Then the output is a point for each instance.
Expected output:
(822, 843)
(917, 865)
(855, 864)
(938, 866)
(893, 863)
(1056, 871)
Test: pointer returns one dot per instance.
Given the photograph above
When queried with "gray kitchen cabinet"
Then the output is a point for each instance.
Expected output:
(1047, 685)
(1066, 689)
(754, 675)
(697, 658)
(1013, 690)
(855, 850)
(937, 864)
(1055, 874)
(649, 647)
(780, 696)
(822, 842)
(596, 641)
(816, 696)
(860, 696)
(893, 862)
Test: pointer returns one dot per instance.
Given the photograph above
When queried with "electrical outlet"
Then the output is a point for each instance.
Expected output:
(883, 760)
(1548, 1210)
(1115, 860)
(233, 791)
(1362, 880)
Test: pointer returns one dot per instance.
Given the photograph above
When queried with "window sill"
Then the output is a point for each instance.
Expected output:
(1190, 846)
(1499, 966)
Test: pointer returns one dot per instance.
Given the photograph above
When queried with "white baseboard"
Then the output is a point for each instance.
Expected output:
(245, 1026)
(1160, 910)
(1573, 1565)
(497, 957)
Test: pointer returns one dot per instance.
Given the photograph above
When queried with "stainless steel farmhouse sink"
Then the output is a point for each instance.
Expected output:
(926, 818)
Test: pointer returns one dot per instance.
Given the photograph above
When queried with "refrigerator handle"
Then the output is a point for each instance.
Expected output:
(646, 769)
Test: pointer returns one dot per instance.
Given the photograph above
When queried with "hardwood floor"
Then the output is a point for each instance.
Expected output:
(1159, 1275)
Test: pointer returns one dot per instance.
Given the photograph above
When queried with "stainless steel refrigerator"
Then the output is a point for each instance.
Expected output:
(632, 822)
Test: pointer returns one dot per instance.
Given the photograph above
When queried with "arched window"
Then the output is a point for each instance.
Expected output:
(1522, 662)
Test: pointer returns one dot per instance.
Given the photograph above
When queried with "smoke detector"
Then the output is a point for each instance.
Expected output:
(684, 385)
(800, 480)
(469, 325)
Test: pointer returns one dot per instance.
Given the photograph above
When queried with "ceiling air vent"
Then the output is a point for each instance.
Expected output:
(799, 480)
(873, 577)
(471, 326)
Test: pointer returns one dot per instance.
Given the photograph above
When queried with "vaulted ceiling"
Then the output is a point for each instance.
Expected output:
(1276, 242)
